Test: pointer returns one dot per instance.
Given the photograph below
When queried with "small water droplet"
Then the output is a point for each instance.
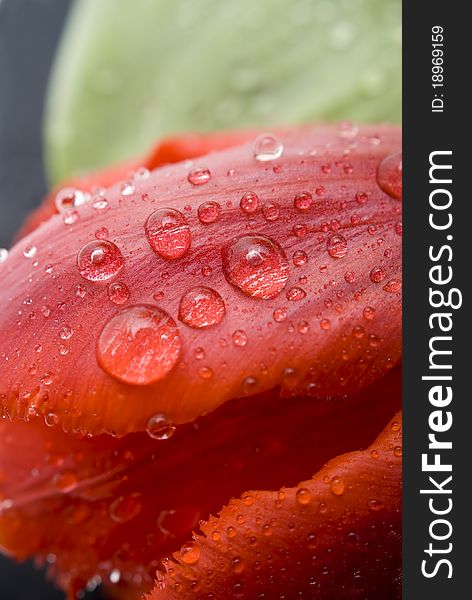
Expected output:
(375, 505)
(139, 345)
(393, 286)
(199, 176)
(126, 188)
(280, 314)
(271, 211)
(239, 338)
(303, 201)
(3, 255)
(349, 277)
(250, 203)
(69, 198)
(201, 307)
(159, 427)
(337, 246)
(208, 212)
(347, 130)
(256, 265)
(325, 324)
(168, 233)
(337, 486)
(51, 419)
(368, 313)
(141, 174)
(389, 175)
(303, 496)
(300, 258)
(30, 251)
(190, 553)
(99, 260)
(361, 197)
(296, 294)
(377, 275)
(267, 147)
(118, 292)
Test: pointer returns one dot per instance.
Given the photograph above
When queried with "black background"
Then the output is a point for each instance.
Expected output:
(425, 132)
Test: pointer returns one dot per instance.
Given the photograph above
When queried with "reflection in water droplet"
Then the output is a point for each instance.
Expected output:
(267, 147)
(99, 260)
(337, 246)
(159, 427)
(139, 345)
(389, 175)
(256, 265)
(168, 233)
(199, 176)
(201, 307)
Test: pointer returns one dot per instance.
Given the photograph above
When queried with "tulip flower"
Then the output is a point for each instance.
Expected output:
(187, 338)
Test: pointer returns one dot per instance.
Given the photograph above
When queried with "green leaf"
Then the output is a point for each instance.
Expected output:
(130, 71)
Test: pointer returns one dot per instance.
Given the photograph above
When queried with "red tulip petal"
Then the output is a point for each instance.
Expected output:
(337, 535)
(306, 305)
(115, 507)
(167, 151)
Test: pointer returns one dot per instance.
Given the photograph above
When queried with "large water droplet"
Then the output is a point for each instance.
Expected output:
(267, 147)
(256, 265)
(168, 233)
(139, 345)
(389, 175)
(99, 260)
(201, 307)
(337, 246)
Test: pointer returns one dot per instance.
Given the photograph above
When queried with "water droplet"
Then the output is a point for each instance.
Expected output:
(295, 294)
(250, 203)
(239, 338)
(393, 286)
(347, 130)
(271, 211)
(337, 486)
(398, 228)
(280, 314)
(159, 427)
(375, 505)
(303, 496)
(139, 345)
(208, 212)
(350, 277)
(141, 174)
(99, 260)
(300, 258)
(118, 292)
(361, 197)
(69, 198)
(201, 307)
(51, 419)
(377, 275)
(126, 188)
(30, 251)
(125, 508)
(256, 265)
(325, 324)
(100, 203)
(337, 246)
(66, 333)
(189, 553)
(303, 201)
(267, 147)
(205, 372)
(168, 233)
(389, 175)
(3, 255)
(199, 176)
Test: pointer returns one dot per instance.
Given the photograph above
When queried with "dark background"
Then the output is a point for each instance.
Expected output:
(29, 32)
